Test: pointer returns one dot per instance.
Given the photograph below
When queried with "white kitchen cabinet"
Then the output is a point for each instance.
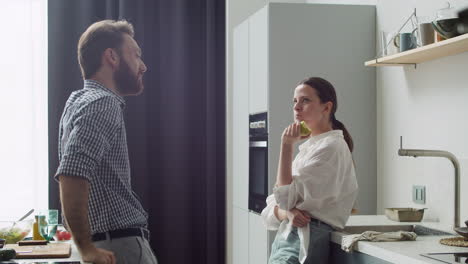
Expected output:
(258, 61)
(240, 117)
(258, 240)
(240, 236)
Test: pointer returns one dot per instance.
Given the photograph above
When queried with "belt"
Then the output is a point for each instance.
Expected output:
(319, 222)
(119, 233)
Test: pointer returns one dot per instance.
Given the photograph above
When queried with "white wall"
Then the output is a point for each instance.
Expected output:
(427, 106)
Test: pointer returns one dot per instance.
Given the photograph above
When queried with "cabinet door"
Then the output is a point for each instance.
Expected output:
(240, 112)
(258, 240)
(258, 61)
(240, 236)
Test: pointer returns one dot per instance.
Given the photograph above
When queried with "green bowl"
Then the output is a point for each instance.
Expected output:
(447, 27)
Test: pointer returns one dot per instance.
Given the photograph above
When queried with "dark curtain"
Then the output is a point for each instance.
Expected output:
(175, 129)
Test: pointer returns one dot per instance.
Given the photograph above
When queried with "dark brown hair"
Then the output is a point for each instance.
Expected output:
(96, 39)
(326, 93)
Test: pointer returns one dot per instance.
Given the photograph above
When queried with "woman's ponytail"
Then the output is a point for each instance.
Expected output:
(347, 137)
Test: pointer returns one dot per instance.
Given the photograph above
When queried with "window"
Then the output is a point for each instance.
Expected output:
(23, 107)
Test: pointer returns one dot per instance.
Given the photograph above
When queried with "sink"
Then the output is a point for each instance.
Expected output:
(418, 229)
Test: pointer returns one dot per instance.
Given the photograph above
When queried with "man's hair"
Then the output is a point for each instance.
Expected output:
(96, 39)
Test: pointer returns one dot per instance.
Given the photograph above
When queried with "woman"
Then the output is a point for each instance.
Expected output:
(315, 193)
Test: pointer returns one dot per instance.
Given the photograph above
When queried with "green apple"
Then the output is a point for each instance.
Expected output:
(305, 130)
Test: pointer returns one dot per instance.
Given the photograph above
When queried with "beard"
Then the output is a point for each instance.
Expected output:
(127, 82)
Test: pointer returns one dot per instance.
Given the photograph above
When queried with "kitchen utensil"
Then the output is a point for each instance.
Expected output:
(405, 214)
(383, 43)
(23, 217)
(406, 41)
(446, 22)
(426, 33)
(387, 46)
(32, 242)
(425, 30)
(47, 223)
(463, 231)
(13, 234)
(52, 250)
(447, 27)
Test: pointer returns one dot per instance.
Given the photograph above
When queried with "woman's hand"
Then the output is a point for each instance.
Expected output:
(292, 134)
(298, 218)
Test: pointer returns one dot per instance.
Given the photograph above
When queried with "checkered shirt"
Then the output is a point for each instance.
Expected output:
(93, 146)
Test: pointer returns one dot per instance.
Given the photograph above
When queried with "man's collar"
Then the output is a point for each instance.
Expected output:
(89, 83)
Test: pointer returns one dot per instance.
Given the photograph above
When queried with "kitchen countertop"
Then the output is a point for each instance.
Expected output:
(402, 251)
(395, 252)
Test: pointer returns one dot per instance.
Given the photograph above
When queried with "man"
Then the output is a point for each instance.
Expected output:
(106, 219)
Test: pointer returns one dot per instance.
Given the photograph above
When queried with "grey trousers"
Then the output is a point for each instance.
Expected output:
(129, 250)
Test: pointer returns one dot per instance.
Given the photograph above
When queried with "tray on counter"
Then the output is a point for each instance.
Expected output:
(404, 214)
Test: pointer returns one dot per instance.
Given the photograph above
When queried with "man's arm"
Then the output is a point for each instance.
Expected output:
(74, 193)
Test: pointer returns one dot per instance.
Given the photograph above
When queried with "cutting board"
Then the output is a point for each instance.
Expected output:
(52, 250)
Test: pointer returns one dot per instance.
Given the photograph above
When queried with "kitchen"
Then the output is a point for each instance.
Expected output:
(423, 103)
(405, 100)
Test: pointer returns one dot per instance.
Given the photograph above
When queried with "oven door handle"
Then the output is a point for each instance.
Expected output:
(258, 144)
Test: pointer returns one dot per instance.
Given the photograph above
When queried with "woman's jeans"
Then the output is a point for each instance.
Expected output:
(287, 251)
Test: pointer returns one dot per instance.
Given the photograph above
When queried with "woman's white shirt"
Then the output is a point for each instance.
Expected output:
(323, 184)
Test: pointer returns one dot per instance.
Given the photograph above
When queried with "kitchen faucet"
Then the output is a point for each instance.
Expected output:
(438, 153)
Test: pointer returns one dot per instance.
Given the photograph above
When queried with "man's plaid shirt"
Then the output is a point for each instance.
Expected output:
(93, 146)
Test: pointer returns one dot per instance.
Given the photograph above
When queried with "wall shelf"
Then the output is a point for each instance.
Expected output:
(429, 52)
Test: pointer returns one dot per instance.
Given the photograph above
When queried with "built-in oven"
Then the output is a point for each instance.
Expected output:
(258, 161)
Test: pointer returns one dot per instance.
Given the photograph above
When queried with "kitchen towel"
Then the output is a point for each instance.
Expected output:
(348, 242)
